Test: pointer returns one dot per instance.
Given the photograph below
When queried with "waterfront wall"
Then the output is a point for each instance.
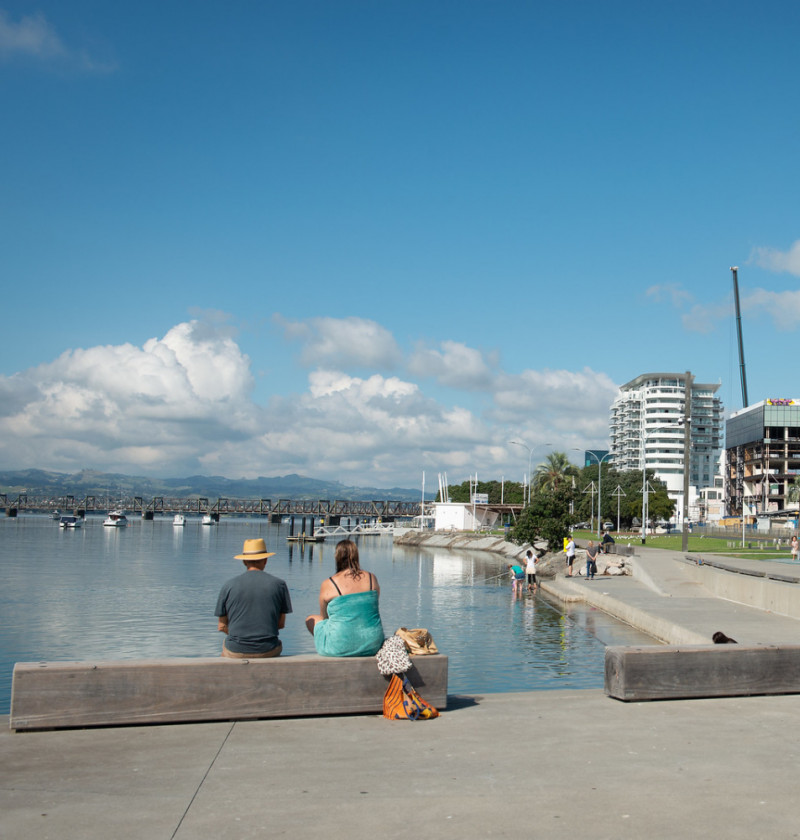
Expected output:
(467, 542)
(459, 539)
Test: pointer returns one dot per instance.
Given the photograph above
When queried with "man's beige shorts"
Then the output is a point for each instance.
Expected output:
(230, 654)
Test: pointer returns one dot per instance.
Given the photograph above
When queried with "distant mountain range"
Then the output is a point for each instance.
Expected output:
(116, 485)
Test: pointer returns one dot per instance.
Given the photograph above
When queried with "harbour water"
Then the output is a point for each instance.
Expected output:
(149, 590)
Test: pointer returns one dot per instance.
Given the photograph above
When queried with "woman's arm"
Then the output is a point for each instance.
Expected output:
(326, 594)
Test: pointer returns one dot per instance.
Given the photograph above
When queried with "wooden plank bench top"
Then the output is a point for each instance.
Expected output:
(668, 672)
(59, 695)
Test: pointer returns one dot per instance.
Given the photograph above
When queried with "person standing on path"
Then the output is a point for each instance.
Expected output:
(795, 546)
(570, 552)
(591, 559)
(530, 570)
(252, 607)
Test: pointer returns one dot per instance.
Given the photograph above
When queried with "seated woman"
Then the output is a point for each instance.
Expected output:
(348, 623)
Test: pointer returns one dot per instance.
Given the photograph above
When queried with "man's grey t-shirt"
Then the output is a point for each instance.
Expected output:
(253, 603)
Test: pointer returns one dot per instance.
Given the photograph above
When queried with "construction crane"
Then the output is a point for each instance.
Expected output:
(734, 271)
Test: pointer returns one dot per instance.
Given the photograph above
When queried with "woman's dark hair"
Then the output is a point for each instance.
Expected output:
(347, 557)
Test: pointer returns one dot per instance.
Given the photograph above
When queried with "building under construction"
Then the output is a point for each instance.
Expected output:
(762, 458)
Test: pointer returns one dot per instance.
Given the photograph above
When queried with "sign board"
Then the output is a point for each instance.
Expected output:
(480, 498)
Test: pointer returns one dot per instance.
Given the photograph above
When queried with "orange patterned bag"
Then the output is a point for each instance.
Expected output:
(401, 701)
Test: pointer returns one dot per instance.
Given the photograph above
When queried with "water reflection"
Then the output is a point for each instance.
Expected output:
(149, 590)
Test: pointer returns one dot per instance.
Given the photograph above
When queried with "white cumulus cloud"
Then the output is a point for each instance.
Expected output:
(782, 307)
(778, 261)
(34, 37)
(183, 404)
(343, 342)
(123, 406)
(456, 365)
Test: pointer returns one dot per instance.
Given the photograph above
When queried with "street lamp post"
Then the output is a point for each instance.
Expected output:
(599, 482)
(619, 493)
(530, 458)
(590, 488)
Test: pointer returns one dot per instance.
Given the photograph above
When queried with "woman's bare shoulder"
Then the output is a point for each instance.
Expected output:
(327, 588)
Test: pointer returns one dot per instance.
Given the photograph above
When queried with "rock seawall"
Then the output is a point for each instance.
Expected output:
(508, 551)
(550, 563)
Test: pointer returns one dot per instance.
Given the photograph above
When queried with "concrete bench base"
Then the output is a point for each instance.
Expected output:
(60, 695)
(692, 671)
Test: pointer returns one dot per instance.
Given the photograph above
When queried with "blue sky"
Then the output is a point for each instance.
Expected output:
(359, 240)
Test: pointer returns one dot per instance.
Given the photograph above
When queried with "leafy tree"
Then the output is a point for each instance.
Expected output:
(794, 490)
(555, 471)
(547, 517)
(509, 492)
(630, 504)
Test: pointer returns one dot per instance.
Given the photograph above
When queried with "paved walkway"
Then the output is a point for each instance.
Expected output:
(551, 764)
(665, 599)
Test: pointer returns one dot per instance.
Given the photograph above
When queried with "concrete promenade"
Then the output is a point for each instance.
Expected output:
(550, 764)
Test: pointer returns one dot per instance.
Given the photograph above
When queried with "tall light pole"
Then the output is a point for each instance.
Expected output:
(599, 481)
(687, 452)
(590, 488)
(530, 458)
(619, 493)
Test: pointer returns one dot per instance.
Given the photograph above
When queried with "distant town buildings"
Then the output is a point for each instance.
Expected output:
(646, 430)
(762, 458)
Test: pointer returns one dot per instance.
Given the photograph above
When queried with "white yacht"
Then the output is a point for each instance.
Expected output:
(179, 520)
(208, 519)
(69, 522)
(116, 519)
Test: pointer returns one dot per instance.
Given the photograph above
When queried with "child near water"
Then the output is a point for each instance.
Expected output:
(517, 577)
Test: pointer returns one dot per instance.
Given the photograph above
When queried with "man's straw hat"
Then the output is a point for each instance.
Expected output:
(254, 550)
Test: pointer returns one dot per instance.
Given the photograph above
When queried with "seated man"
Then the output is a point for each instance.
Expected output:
(252, 607)
(607, 542)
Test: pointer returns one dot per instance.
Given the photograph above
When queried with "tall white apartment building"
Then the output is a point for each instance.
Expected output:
(647, 427)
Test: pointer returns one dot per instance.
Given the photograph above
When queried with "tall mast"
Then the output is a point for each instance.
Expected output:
(734, 270)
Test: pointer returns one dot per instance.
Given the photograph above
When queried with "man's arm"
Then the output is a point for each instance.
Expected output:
(222, 624)
(282, 621)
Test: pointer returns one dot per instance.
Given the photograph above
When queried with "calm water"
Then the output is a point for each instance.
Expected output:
(149, 591)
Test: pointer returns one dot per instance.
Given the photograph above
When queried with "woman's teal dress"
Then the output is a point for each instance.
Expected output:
(353, 626)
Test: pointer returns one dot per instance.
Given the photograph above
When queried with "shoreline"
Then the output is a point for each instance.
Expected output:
(673, 597)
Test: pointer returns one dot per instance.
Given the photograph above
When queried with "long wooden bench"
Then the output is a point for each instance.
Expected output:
(60, 695)
(693, 671)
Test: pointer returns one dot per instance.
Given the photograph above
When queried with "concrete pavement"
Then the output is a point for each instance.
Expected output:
(676, 598)
(550, 764)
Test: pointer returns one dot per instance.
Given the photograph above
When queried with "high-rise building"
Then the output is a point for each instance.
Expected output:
(647, 429)
(762, 447)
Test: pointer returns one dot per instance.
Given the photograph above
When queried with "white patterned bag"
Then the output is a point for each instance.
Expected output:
(393, 657)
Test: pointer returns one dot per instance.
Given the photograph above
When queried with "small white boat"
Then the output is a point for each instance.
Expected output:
(208, 519)
(116, 519)
(56, 515)
(69, 522)
(179, 520)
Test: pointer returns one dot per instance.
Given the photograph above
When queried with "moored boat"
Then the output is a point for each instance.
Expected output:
(179, 520)
(208, 519)
(69, 522)
(116, 519)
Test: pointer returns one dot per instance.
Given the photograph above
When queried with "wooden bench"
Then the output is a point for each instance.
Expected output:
(693, 671)
(60, 695)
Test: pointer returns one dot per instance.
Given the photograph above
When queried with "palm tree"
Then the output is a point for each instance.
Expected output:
(554, 471)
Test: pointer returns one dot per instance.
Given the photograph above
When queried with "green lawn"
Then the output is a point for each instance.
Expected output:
(729, 546)
(732, 547)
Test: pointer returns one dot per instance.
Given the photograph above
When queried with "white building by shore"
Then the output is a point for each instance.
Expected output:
(461, 516)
